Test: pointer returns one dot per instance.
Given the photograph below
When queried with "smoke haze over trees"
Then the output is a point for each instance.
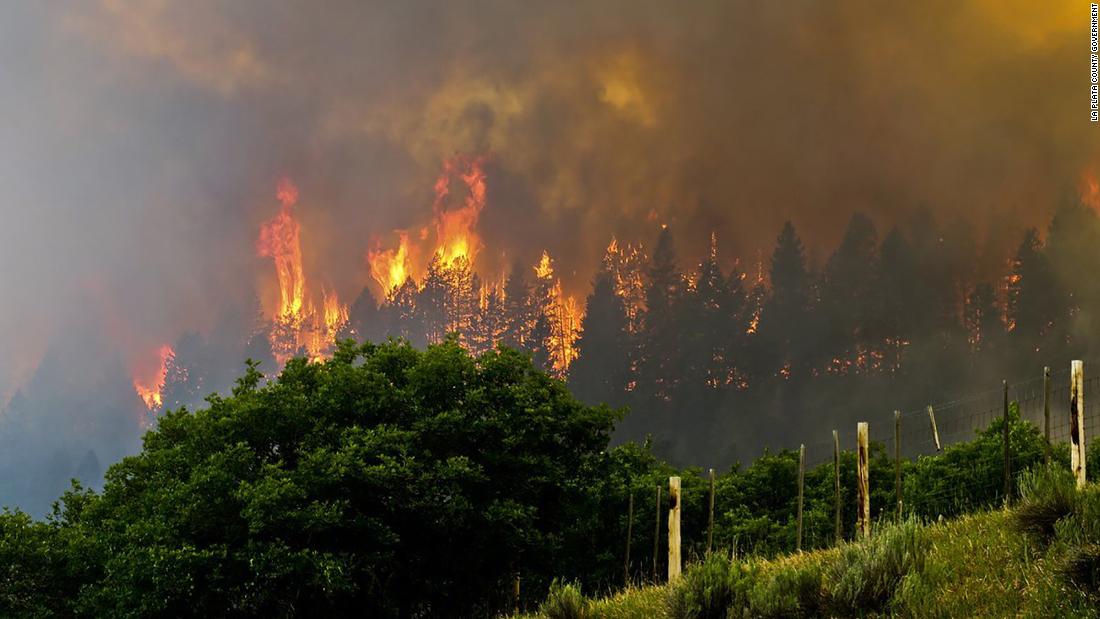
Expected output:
(141, 141)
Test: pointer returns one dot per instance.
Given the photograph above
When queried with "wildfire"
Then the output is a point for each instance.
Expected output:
(1090, 190)
(454, 225)
(151, 391)
(390, 267)
(279, 241)
(459, 200)
(564, 315)
(296, 323)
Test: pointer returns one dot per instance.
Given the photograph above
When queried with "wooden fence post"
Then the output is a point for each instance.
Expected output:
(629, 534)
(673, 528)
(657, 533)
(1077, 421)
(836, 486)
(863, 493)
(710, 517)
(897, 458)
(935, 432)
(1046, 414)
(515, 592)
(801, 483)
(1007, 455)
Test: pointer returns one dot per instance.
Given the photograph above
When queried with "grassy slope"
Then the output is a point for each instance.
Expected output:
(977, 566)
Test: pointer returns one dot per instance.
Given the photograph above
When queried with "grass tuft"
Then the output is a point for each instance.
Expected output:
(1047, 495)
(564, 601)
(865, 575)
(1082, 569)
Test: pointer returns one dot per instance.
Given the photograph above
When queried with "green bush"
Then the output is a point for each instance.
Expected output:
(564, 601)
(705, 591)
(864, 575)
(1047, 495)
(790, 589)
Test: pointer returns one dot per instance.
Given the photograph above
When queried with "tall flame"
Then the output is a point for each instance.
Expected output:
(454, 225)
(279, 240)
(297, 323)
(564, 314)
(151, 389)
(390, 267)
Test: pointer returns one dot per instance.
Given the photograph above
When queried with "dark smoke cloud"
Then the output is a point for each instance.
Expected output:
(141, 141)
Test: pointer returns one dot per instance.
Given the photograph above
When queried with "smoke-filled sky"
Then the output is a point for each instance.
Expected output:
(140, 142)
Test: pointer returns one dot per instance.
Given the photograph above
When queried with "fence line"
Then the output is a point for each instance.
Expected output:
(922, 434)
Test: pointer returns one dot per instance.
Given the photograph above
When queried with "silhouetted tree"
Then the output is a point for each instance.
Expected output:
(602, 368)
(659, 343)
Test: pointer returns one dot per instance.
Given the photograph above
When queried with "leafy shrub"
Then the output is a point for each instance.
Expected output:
(564, 601)
(1047, 495)
(969, 476)
(705, 591)
(864, 575)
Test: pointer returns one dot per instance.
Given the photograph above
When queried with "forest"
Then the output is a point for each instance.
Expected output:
(699, 354)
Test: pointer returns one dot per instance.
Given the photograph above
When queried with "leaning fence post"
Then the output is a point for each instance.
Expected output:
(935, 432)
(673, 528)
(897, 458)
(863, 494)
(657, 533)
(801, 483)
(1077, 421)
(629, 534)
(836, 486)
(710, 517)
(1007, 455)
(1046, 414)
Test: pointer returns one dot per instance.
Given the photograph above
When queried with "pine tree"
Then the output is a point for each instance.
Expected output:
(847, 294)
(602, 368)
(659, 343)
(785, 320)
(432, 301)
(519, 317)
(364, 320)
(895, 303)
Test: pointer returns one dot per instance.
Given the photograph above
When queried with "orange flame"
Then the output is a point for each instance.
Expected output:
(564, 314)
(296, 322)
(279, 241)
(1090, 190)
(454, 226)
(151, 390)
(390, 267)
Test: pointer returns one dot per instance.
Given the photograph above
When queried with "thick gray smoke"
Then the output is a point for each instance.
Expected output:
(140, 142)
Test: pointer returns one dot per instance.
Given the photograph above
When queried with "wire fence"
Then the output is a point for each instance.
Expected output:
(976, 483)
(960, 419)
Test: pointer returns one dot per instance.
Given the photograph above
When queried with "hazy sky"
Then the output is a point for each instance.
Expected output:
(140, 142)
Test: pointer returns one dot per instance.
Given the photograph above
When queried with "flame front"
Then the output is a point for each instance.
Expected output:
(454, 225)
(296, 323)
(390, 267)
(279, 240)
(151, 390)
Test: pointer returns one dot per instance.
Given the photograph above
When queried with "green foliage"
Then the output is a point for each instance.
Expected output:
(969, 476)
(865, 575)
(384, 482)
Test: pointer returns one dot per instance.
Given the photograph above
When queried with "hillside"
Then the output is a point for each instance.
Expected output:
(1038, 559)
